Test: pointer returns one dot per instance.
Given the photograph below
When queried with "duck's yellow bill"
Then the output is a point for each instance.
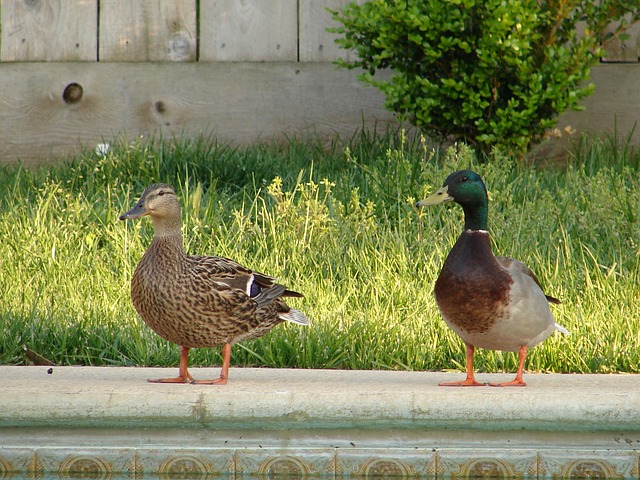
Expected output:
(437, 198)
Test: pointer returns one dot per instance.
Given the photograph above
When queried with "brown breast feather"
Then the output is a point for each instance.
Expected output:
(472, 290)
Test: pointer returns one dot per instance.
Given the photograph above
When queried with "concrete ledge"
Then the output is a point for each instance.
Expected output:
(266, 422)
(281, 398)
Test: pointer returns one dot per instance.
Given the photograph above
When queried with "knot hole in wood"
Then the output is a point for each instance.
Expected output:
(72, 93)
(160, 107)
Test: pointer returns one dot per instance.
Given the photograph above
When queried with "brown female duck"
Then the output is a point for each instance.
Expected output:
(199, 301)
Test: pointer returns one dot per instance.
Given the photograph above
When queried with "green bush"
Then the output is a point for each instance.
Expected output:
(493, 73)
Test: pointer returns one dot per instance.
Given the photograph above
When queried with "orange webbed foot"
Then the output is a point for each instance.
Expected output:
(183, 374)
(513, 383)
(187, 379)
(469, 382)
(217, 381)
(518, 381)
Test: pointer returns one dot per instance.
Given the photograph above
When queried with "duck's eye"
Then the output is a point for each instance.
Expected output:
(464, 179)
(161, 193)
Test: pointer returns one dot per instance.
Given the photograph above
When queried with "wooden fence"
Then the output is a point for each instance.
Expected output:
(75, 73)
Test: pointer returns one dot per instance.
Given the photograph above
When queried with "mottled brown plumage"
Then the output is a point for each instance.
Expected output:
(200, 301)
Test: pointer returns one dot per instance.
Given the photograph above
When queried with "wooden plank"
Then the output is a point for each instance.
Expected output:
(624, 50)
(614, 106)
(236, 102)
(147, 30)
(49, 30)
(249, 30)
(316, 44)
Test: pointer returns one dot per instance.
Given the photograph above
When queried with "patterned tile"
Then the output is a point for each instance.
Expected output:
(160, 463)
(593, 464)
(184, 463)
(95, 463)
(385, 462)
(271, 463)
(495, 463)
(15, 460)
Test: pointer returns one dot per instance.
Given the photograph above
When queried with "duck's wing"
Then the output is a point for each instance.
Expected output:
(261, 288)
(513, 264)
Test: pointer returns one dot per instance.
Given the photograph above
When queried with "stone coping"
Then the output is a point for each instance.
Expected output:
(287, 398)
(109, 423)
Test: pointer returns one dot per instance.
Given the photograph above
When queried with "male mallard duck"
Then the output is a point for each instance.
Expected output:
(196, 301)
(490, 302)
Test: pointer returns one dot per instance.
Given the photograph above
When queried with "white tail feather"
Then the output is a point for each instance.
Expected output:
(294, 316)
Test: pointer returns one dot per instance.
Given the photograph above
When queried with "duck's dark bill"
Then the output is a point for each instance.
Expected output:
(136, 212)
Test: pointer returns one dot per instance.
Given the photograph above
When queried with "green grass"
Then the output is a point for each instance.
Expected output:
(335, 222)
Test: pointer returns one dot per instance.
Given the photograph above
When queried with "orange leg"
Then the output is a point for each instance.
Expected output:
(224, 374)
(470, 381)
(183, 376)
(518, 381)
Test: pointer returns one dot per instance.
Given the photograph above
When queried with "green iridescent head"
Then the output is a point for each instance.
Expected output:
(466, 188)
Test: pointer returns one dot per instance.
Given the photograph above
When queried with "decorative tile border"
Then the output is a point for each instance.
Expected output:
(184, 463)
(386, 462)
(16, 460)
(444, 463)
(298, 463)
(94, 463)
(486, 463)
(590, 464)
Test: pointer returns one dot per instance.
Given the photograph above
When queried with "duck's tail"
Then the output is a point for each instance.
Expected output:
(294, 316)
(561, 329)
(551, 299)
(291, 293)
